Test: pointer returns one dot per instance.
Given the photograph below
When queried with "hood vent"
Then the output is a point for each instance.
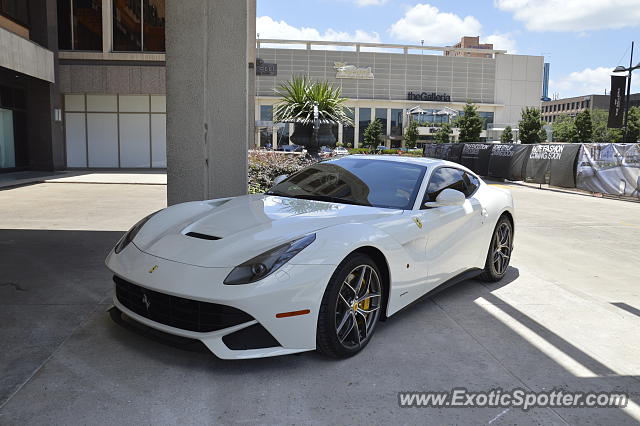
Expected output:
(202, 236)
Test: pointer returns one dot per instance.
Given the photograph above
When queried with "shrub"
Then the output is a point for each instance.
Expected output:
(359, 151)
(264, 167)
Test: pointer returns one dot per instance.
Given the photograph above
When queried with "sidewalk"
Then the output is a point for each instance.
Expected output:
(133, 177)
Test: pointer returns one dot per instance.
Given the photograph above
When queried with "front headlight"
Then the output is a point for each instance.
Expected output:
(131, 233)
(268, 262)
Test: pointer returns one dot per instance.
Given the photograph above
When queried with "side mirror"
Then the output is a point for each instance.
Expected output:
(448, 197)
(279, 179)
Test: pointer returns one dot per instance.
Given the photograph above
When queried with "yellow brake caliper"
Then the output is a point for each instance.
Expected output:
(366, 302)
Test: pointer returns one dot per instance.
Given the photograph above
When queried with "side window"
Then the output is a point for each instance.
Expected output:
(472, 183)
(443, 178)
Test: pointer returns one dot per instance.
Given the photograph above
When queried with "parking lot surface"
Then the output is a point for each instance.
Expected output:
(567, 315)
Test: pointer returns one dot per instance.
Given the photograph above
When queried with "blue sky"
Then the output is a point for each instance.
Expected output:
(582, 39)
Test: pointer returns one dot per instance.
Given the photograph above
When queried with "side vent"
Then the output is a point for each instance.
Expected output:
(202, 236)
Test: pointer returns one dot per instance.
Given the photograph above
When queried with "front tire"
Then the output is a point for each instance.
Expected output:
(350, 307)
(499, 253)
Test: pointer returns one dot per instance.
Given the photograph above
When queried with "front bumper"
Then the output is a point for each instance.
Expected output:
(292, 288)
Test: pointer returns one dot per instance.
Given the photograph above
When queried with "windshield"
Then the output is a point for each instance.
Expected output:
(349, 180)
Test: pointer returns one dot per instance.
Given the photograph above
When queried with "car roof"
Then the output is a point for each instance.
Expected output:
(422, 161)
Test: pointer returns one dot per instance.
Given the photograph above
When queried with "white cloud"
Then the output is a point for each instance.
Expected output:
(269, 28)
(426, 22)
(586, 82)
(371, 2)
(573, 15)
(500, 41)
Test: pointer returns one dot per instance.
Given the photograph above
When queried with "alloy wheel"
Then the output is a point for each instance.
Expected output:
(502, 248)
(358, 306)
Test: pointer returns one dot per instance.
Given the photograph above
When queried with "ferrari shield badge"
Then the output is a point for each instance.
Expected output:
(418, 222)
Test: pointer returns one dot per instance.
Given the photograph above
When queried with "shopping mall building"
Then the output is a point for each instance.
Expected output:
(82, 84)
(396, 83)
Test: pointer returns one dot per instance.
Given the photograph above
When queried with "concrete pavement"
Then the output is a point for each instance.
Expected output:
(563, 317)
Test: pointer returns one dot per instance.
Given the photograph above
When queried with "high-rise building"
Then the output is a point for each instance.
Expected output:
(545, 82)
(470, 43)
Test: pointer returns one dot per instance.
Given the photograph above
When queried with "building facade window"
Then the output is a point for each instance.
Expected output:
(396, 122)
(348, 132)
(363, 122)
(80, 25)
(381, 116)
(266, 112)
(487, 118)
(16, 10)
(138, 25)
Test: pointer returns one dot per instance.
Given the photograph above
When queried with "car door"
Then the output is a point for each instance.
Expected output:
(450, 231)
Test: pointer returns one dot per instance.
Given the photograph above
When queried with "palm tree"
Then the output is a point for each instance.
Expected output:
(300, 97)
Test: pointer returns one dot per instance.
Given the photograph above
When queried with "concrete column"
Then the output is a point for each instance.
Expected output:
(340, 132)
(388, 129)
(356, 127)
(210, 68)
(46, 136)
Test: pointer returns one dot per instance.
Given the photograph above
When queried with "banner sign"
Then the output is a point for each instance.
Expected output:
(266, 69)
(509, 161)
(616, 103)
(539, 162)
(610, 169)
(562, 170)
(476, 156)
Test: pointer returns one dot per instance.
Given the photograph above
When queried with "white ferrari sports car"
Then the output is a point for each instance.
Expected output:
(315, 262)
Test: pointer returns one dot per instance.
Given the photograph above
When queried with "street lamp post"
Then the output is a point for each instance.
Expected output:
(620, 68)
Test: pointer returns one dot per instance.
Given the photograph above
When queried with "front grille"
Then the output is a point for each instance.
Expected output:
(177, 312)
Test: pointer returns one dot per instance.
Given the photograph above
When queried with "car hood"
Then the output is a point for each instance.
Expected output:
(227, 232)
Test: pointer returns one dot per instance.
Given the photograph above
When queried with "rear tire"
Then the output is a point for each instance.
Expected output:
(350, 307)
(499, 253)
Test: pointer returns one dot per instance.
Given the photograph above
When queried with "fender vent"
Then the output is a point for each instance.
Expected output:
(202, 236)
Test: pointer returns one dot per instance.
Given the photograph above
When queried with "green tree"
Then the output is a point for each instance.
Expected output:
(507, 135)
(411, 134)
(564, 129)
(372, 134)
(530, 125)
(633, 125)
(584, 127)
(543, 135)
(442, 135)
(470, 124)
(601, 133)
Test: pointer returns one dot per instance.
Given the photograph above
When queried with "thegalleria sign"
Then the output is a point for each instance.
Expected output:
(424, 96)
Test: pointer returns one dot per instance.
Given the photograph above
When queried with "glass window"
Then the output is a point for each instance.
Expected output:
(64, 25)
(348, 132)
(80, 25)
(16, 10)
(487, 118)
(381, 116)
(365, 119)
(138, 25)
(127, 25)
(266, 112)
(443, 178)
(396, 122)
(87, 24)
(349, 180)
(472, 183)
(154, 17)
